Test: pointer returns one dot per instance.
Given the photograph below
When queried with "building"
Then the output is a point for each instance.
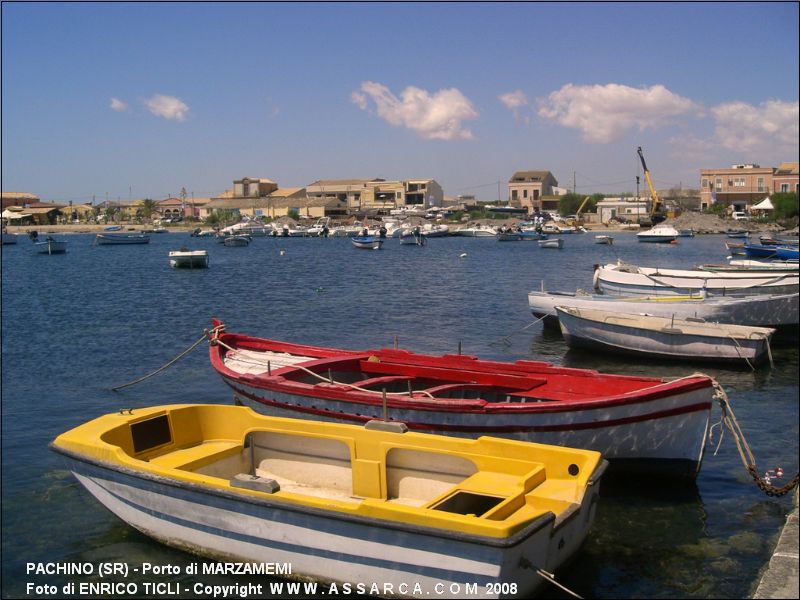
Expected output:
(622, 209)
(737, 187)
(526, 188)
(17, 199)
(376, 196)
(425, 193)
(786, 178)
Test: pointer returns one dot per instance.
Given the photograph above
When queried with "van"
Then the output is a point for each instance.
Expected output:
(740, 216)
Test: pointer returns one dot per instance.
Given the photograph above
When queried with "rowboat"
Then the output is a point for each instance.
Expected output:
(340, 503)
(508, 236)
(658, 234)
(236, 241)
(476, 231)
(753, 265)
(736, 248)
(603, 239)
(51, 246)
(531, 235)
(367, 242)
(645, 424)
(557, 243)
(772, 251)
(188, 259)
(737, 233)
(686, 232)
(631, 280)
(663, 337)
(110, 239)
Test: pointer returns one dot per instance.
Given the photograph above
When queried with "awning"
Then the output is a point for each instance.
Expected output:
(765, 204)
(13, 214)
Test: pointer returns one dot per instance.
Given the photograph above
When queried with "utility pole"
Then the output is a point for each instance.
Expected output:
(574, 187)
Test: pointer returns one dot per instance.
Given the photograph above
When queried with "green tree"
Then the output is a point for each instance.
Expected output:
(148, 208)
(786, 205)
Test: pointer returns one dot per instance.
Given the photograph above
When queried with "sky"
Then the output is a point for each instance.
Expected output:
(129, 100)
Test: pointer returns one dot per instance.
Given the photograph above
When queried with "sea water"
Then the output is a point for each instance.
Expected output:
(78, 324)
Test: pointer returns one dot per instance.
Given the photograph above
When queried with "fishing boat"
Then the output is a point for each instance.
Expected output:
(779, 240)
(603, 239)
(113, 228)
(772, 251)
(658, 234)
(236, 240)
(777, 312)
(736, 248)
(485, 231)
(508, 236)
(121, 239)
(367, 242)
(639, 423)
(188, 259)
(531, 235)
(737, 234)
(50, 246)
(663, 338)
(686, 232)
(340, 503)
(557, 243)
(430, 230)
(753, 265)
(631, 280)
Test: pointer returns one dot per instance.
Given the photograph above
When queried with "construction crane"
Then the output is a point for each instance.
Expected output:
(580, 208)
(655, 209)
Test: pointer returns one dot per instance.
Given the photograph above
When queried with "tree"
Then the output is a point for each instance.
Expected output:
(786, 205)
(148, 207)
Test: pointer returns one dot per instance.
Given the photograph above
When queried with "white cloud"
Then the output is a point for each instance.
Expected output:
(168, 107)
(773, 125)
(515, 102)
(606, 112)
(118, 105)
(438, 116)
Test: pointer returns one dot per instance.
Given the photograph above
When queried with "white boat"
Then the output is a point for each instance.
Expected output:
(321, 228)
(551, 243)
(412, 513)
(368, 242)
(347, 231)
(412, 237)
(250, 228)
(50, 246)
(603, 239)
(751, 265)
(430, 230)
(658, 234)
(233, 241)
(477, 231)
(777, 312)
(188, 259)
(662, 337)
(631, 280)
(686, 232)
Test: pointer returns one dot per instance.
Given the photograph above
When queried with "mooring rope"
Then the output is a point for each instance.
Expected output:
(505, 339)
(206, 335)
(748, 460)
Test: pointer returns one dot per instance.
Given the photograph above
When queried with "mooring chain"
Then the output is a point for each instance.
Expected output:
(746, 454)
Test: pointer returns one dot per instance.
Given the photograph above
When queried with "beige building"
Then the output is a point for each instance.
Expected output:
(377, 195)
(786, 178)
(526, 189)
(739, 186)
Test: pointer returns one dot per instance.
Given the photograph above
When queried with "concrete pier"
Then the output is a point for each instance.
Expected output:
(780, 579)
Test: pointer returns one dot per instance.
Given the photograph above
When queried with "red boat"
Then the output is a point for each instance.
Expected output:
(651, 425)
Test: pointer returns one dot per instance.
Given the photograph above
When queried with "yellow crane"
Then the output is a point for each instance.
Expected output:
(580, 208)
(655, 209)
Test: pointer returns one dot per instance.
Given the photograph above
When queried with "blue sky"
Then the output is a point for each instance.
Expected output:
(140, 100)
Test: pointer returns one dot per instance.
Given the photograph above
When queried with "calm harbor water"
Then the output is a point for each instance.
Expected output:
(75, 325)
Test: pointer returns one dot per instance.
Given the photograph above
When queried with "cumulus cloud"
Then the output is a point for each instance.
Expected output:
(168, 107)
(433, 116)
(118, 105)
(604, 113)
(516, 101)
(754, 129)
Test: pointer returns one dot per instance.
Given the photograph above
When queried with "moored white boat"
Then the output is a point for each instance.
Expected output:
(641, 424)
(557, 243)
(662, 337)
(50, 246)
(778, 312)
(412, 237)
(476, 231)
(631, 280)
(340, 503)
(658, 234)
(188, 259)
(367, 242)
(603, 239)
(430, 230)
(236, 240)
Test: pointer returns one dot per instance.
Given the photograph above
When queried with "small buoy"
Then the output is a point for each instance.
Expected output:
(462, 255)
(283, 252)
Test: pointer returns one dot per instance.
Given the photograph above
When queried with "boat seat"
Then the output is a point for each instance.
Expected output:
(378, 381)
(197, 456)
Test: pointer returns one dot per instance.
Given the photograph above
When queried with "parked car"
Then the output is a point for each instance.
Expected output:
(740, 216)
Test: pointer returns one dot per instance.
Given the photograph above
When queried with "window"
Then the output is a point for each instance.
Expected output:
(719, 184)
(514, 195)
(784, 187)
(704, 183)
(524, 193)
(760, 184)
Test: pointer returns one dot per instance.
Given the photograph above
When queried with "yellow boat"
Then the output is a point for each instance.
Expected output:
(363, 506)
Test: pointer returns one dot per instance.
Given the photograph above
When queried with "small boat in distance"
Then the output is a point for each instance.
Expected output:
(662, 337)
(775, 252)
(641, 424)
(603, 239)
(686, 232)
(340, 503)
(659, 234)
(556, 243)
(188, 259)
(8, 238)
(50, 246)
(367, 242)
(121, 239)
(236, 241)
(737, 234)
